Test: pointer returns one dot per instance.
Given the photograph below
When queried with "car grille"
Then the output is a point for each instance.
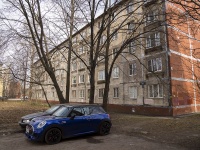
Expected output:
(29, 129)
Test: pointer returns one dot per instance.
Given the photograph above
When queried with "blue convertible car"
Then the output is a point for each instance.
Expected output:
(69, 121)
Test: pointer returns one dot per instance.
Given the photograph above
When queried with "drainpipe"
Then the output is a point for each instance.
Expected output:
(168, 66)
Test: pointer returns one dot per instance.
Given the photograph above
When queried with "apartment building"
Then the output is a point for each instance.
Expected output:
(156, 72)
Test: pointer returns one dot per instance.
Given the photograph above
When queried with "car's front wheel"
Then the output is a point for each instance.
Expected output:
(104, 128)
(53, 136)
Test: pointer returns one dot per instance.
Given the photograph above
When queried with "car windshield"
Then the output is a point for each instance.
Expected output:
(62, 112)
(52, 109)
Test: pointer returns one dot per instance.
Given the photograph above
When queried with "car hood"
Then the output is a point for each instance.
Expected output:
(34, 115)
(42, 118)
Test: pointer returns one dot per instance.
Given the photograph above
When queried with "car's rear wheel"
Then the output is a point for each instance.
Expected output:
(53, 136)
(104, 128)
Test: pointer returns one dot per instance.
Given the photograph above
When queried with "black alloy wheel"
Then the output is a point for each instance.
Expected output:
(53, 136)
(104, 128)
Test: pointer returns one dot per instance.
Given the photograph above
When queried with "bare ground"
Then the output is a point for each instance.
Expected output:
(183, 131)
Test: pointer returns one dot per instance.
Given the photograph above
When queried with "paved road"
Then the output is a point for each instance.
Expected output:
(18, 141)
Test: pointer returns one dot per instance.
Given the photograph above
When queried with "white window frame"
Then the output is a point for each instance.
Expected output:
(81, 50)
(132, 69)
(130, 26)
(81, 93)
(114, 52)
(116, 92)
(133, 92)
(74, 66)
(82, 78)
(129, 8)
(155, 91)
(73, 79)
(81, 65)
(153, 40)
(131, 47)
(115, 72)
(115, 36)
(103, 40)
(114, 16)
(151, 16)
(155, 65)
(73, 93)
(100, 93)
(101, 75)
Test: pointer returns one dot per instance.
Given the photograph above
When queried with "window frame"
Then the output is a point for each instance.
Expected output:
(155, 94)
(116, 92)
(133, 92)
(155, 64)
(101, 93)
(81, 93)
(132, 69)
(82, 78)
(153, 40)
(74, 77)
(101, 73)
(129, 8)
(115, 73)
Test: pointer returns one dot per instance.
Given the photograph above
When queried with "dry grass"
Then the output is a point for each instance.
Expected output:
(183, 131)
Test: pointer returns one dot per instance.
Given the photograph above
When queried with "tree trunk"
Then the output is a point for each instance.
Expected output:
(69, 53)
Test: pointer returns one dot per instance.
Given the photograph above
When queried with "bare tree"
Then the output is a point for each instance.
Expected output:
(34, 21)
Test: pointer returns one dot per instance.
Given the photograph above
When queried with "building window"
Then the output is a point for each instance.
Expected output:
(101, 75)
(114, 16)
(131, 47)
(74, 80)
(82, 78)
(153, 40)
(103, 40)
(155, 65)
(130, 26)
(81, 94)
(88, 93)
(113, 2)
(116, 92)
(74, 66)
(81, 65)
(101, 92)
(100, 57)
(132, 69)
(74, 40)
(74, 93)
(155, 91)
(99, 24)
(115, 35)
(88, 78)
(133, 92)
(115, 72)
(151, 17)
(114, 53)
(129, 7)
(81, 50)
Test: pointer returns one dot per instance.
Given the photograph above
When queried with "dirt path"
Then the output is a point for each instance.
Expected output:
(113, 141)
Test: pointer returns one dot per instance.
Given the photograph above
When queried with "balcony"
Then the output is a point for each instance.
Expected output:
(153, 49)
(155, 74)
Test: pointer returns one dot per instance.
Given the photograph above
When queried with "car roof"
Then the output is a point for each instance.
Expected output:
(79, 105)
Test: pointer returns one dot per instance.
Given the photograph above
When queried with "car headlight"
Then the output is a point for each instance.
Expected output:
(41, 124)
(26, 120)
